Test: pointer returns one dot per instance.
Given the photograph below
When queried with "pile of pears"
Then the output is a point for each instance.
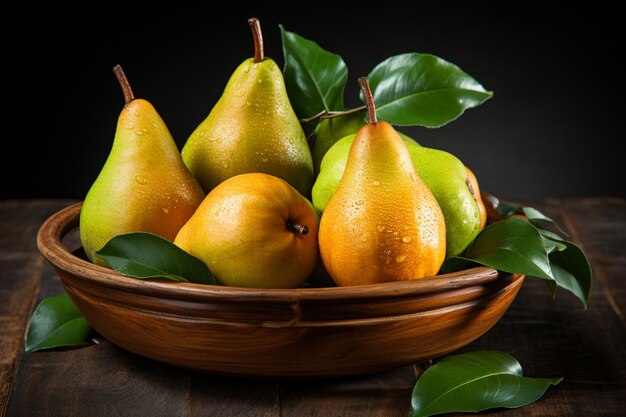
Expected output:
(249, 197)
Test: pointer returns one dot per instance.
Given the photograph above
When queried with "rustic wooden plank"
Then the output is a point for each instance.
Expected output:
(20, 272)
(384, 394)
(99, 380)
(214, 395)
(601, 229)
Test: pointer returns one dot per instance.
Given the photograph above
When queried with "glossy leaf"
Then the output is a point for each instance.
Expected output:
(424, 90)
(145, 255)
(315, 78)
(537, 218)
(571, 270)
(550, 244)
(473, 382)
(56, 322)
(511, 245)
(507, 209)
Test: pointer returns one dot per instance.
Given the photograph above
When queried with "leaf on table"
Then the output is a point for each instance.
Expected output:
(146, 255)
(56, 322)
(473, 382)
(424, 90)
(315, 78)
(511, 245)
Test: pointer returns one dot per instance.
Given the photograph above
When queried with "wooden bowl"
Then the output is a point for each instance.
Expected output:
(280, 333)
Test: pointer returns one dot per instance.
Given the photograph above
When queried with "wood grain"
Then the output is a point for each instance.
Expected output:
(99, 380)
(20, 273)
(593, 223)
(549, 337)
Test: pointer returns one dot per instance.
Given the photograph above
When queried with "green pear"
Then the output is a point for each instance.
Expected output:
(444, 174)
(144, 185)
(329, 131)
(252, 128)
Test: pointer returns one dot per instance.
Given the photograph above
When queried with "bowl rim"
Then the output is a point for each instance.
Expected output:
(55, 227)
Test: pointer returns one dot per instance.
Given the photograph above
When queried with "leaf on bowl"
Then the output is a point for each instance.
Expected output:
(511, 245)
(572, 271)
(505, 208)
(473, 382)
(423, 89)
(146, 255)
(551, 241)
(56, 322)
(315, 78)
(537, 218)
(517, 246)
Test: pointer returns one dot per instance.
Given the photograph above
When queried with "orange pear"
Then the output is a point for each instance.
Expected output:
(383, 223)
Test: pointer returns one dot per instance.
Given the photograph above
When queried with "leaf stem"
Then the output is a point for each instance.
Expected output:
(369, 99)
(121, 77)
(255, 26)
(332, 114)
(315, 117)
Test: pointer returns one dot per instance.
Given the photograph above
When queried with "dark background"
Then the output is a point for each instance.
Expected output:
(549, 130)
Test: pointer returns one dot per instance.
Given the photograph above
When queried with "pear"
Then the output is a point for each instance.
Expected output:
(329, 131)
(444, 174)
(143, 186)
(383, 223)
(254, 230)
(472, 184)
(332, 167)
(252, 128)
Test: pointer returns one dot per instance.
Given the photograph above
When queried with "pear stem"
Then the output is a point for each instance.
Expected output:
(121, 77)
(255, 25)
(297, 228)
(369, 99)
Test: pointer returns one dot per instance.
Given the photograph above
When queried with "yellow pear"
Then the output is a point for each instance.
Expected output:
(383, 223)
(254, 230)
(144, 185)
(252, 128)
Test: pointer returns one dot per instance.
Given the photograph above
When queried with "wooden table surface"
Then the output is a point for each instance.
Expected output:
(549, 338)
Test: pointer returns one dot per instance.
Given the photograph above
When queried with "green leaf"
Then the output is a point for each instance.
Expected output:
(473, 382)
(511, 245)
(424, 90)
(56, 322)
(537, 218)
(572, 271)
(145, 255)
(315, 78)
(507, 209)
(550, 244)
